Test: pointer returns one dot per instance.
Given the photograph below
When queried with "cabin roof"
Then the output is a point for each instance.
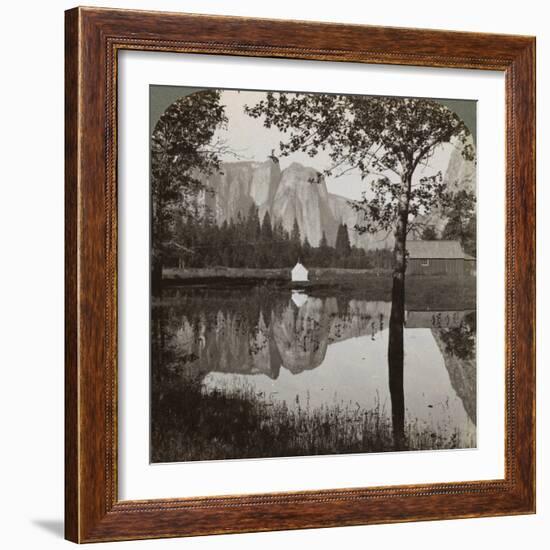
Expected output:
(446, 250)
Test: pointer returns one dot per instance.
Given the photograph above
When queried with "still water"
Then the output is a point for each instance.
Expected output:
(233, 366)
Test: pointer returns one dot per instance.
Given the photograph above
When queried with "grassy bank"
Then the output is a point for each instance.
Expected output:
(423, 292)
(248, 275)
(172, 274)
(189, 424)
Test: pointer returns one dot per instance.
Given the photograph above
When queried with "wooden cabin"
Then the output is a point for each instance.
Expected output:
(437, 258)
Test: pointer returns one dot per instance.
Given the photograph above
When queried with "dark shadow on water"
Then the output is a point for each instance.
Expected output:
(55, 527)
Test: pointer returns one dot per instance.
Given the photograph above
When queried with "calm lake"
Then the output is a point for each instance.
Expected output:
(260, 371)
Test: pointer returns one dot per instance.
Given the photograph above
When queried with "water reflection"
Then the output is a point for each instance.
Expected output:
(299, 297)
(276, 361)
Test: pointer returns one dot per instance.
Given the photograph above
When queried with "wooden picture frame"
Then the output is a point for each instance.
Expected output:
(93, 511)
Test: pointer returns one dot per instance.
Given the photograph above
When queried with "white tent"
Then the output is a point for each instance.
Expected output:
(299, 273)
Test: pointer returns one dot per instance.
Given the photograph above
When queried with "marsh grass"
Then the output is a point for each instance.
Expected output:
(192, 423)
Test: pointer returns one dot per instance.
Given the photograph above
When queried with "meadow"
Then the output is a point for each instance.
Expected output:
(194, 424)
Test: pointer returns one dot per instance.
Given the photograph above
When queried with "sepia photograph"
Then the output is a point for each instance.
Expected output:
(312, 274)
(275, 315)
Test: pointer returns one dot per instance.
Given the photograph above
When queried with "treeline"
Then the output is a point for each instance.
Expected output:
(249, 242)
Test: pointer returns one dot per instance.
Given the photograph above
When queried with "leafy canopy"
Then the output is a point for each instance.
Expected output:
(183, 147)
(181, 143)
(385, 139)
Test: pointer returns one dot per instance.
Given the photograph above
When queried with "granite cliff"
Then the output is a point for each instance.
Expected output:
(298, 193)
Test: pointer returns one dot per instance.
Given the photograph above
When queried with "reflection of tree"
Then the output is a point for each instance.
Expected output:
(458, 347)
(461, 341)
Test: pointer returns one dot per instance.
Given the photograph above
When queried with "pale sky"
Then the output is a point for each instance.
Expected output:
(252, 141)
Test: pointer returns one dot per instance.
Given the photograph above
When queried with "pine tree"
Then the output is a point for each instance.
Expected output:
(346, 246)
(324, 252)
(253, 223)
(266, 230)
(278, 230)
(338, 245)
(343, 246)
(306, 250)
(295, 234)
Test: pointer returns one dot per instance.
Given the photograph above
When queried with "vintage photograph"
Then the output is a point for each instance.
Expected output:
(313, 274)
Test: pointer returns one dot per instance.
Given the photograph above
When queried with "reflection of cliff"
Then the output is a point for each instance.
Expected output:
(228, 344)
(294, 338)
(301, 334)
(462, 372)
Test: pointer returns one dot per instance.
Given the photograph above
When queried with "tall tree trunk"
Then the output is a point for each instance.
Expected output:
(157, 237)
(397, 321)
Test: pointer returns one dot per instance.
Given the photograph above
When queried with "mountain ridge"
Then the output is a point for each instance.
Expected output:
(300, 193)
(296, 192)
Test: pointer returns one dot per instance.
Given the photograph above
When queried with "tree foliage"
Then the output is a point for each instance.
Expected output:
(238, 243)
(461, 224)
(182, 148)
(429, 233)
(384, 138)
(267, 230)
(461, 341)
(343, 247)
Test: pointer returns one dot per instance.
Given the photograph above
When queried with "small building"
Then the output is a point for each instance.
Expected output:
(436, 258)
(299, 274)
(469, 264)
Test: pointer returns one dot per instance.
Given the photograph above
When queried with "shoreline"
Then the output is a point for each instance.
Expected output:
(432, 292)
(283, 274)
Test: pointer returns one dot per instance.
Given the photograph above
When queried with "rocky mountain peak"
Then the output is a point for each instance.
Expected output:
(299, 193)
